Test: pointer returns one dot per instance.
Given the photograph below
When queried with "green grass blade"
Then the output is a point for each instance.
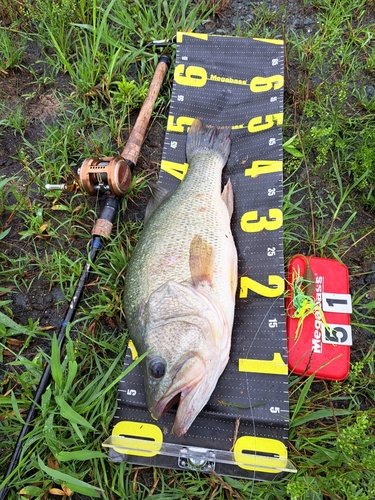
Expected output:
(78, 431)
(73, 483)
(100, 385)
(66, 456)
(4, 233)
(63, 59)
(319, 414)
(302, 397)
(72, 372)
(16, 409)
(56, 368)
(67, 412)
(9, 323)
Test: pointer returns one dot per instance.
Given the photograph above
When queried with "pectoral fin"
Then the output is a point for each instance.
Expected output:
(227, 196)
(201, 260)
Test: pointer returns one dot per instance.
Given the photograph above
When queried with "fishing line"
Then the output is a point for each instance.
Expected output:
(248, 391)
(96, 205)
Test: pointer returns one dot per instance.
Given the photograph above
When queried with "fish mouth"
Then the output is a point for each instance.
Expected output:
(173, 402)
(170, 400)
(181, 393)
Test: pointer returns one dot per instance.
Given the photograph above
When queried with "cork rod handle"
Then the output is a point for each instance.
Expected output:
(136, 138)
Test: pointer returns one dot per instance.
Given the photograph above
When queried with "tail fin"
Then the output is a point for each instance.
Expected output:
(207, 138)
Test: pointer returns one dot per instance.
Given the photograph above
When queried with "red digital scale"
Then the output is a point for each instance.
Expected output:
(319, 342)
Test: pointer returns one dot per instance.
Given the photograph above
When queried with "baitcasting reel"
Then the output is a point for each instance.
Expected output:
(106, 175)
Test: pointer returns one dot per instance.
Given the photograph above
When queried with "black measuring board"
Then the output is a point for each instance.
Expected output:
(243, 430)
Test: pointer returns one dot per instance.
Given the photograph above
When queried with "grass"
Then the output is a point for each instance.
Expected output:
(101, 48)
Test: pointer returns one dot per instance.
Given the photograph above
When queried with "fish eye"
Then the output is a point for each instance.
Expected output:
(157, 367)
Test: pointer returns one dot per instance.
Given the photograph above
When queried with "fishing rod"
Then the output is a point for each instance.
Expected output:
(99, 175)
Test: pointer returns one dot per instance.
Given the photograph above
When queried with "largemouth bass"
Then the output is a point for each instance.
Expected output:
(181, 283)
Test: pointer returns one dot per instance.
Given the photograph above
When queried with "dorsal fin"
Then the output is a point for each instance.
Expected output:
(159, 194)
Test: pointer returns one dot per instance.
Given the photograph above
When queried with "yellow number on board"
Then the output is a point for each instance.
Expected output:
(252, 223)
(264, 84)
(181, 123)
(259, 167)
(193, 76)
(275, 288)
(137, 438)
(258, 125)
(178, 170)
(249, 453)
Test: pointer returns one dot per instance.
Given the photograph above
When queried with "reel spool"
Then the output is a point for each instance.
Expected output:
(108, 175)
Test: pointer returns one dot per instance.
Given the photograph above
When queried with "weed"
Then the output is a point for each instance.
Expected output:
(14, 119)
(264, 23)
(12, 49)
(5, 182)
(52, 19)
